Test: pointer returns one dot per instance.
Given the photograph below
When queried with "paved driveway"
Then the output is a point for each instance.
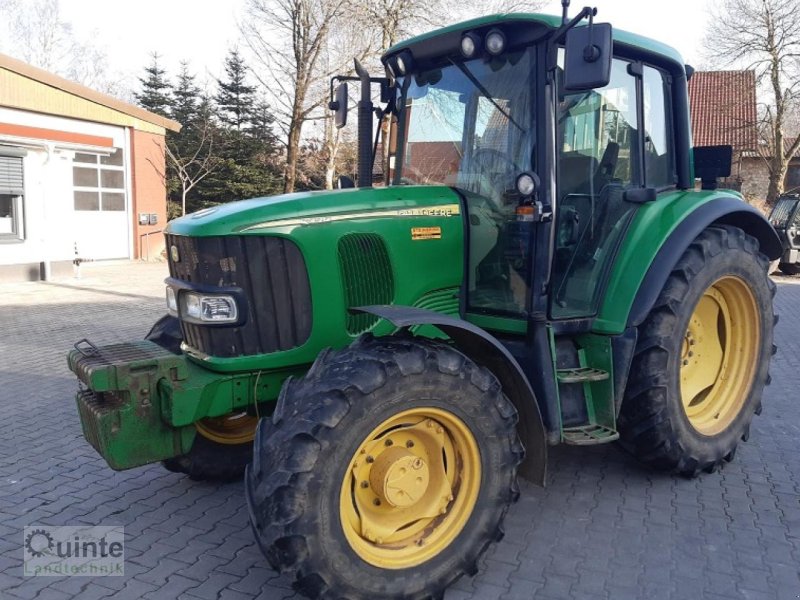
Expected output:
(603, 528)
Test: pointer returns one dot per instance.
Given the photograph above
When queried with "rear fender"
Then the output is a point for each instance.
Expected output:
(486, 350)
(720, 211)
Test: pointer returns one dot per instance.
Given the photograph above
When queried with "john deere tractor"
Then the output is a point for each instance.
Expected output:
(537, 269)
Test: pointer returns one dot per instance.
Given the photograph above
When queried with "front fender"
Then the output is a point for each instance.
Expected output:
(658, 237)
(486, 350)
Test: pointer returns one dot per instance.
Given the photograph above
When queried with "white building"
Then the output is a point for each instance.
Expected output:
(81, 174)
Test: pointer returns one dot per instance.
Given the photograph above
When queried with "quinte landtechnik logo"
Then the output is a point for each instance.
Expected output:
(74, 550)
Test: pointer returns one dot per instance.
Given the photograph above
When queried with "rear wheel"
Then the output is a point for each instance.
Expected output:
(223, 446)
(386, 473)
(702, 358)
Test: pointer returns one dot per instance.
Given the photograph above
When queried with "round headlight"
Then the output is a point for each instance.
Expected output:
(527, 184)
(495, 42)
(469, 45)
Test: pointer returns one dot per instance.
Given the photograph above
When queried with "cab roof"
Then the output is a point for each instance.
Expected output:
(632, 40)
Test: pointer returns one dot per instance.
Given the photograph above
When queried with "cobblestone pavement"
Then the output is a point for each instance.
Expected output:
(603, 528)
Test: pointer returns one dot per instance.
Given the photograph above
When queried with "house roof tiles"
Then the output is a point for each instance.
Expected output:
(723, 105)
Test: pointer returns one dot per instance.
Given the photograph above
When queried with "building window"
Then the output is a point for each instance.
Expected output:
(99, 181)
(11, 199)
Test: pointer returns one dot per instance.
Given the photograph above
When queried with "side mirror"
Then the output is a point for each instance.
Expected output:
(588, 51)
(339, 105)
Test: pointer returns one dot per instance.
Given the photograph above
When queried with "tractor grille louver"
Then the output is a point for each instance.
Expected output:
(367, 277)
(270, 271)
(442, 301)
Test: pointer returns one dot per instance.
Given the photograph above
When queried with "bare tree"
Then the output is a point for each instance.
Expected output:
(36, 33)
(289, 40)
(195, 164)
(764, 35)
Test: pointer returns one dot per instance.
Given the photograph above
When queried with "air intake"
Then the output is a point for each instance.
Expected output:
(366, 277)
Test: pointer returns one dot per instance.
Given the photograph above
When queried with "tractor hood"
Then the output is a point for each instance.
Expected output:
(286, 212)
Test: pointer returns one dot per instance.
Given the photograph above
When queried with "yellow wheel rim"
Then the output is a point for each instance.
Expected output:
(410, 488)
(720, 355)
(235, 428)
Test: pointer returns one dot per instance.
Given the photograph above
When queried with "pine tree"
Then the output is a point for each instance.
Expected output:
(235, 98)
(156, 90)
(185, 97)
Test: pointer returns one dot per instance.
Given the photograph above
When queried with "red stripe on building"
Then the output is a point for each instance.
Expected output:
(54, 135)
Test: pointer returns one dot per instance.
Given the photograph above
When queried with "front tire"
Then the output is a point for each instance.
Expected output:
(386, 473)
(702, 358)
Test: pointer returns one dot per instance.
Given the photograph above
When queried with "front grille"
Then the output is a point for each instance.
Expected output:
(272, 274)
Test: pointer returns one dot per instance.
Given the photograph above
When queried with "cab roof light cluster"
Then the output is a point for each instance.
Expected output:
(494, 43)
(400, 64)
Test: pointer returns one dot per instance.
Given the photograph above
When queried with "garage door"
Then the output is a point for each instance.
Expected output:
(101, 225)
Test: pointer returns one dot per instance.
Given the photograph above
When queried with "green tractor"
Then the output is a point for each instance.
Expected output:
(538, 270)
(785, 218)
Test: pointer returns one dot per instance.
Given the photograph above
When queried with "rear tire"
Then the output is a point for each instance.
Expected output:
(207, 460)
(789, 268)
(314, 488)
(702, 358)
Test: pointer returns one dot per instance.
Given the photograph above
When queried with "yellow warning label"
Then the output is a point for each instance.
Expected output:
(426, 233)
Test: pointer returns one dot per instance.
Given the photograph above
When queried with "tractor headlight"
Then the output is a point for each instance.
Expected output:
(495, 42)
(470, 44)
(172, 301)
(207, 308)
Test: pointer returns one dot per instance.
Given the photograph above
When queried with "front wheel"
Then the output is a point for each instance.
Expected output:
(386, 473)
(702, 357)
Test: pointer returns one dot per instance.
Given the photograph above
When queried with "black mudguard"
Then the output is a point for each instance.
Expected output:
(486, 350)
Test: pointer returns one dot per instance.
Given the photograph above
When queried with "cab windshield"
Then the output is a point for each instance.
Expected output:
(468, 125)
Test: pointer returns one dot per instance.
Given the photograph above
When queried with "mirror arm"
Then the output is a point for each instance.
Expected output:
(558, 35)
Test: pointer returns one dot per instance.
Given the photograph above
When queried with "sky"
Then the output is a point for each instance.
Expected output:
(202, 31)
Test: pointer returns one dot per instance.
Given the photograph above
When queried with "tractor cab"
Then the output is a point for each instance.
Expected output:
(494, 112)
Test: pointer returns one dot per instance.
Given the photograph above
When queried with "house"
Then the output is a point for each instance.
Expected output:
(81, 175)
(723, 108)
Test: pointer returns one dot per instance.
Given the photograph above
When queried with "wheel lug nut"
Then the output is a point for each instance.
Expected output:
(686, 362)
(377, 502)
(691, 353)
(409, 444)
(388, 442)
(420, 542)
(370, 459)
(439, 430)
(365, 484)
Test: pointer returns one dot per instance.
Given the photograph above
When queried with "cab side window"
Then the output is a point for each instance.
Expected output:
(659, 168)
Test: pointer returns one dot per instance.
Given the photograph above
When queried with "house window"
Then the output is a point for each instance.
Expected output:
(11, 199)
(99, 181)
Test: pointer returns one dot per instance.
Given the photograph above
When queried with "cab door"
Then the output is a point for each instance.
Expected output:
(610, 141)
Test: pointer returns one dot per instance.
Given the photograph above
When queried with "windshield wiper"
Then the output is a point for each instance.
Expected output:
(463, 68)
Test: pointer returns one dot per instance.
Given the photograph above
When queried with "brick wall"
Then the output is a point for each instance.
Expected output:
(149, 193)
(755, 178)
